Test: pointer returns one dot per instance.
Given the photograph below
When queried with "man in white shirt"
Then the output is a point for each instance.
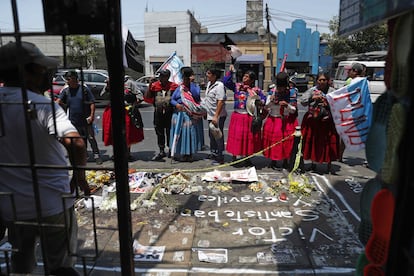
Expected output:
(32, 131)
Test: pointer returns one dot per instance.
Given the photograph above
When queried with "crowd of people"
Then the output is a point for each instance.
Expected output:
(262, 121)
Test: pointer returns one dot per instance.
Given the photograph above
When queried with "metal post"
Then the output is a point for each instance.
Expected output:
(269, 37)
(113, 50)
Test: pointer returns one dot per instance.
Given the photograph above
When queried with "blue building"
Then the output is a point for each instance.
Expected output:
(301, 46)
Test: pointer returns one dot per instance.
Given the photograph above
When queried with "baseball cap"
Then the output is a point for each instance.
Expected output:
(27, 53)
(357, 67)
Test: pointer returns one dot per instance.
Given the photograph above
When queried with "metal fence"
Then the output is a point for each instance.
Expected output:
(75, 17)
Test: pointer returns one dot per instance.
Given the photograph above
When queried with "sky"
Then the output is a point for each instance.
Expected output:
(217, 15)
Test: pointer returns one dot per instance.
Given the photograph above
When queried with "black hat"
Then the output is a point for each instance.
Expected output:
(282, 79)
(27, 53)
(165, 72)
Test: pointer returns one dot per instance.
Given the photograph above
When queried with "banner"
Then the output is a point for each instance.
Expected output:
(351, 109)
(174, 64)
(131, 57)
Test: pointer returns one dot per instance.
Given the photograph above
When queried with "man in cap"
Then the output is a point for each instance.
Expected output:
(357, 70)
(32, 132)
(80, 103)
(159, 93)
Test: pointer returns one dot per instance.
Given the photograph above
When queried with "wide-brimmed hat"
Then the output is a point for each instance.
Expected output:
(10, 54)
(251, 104)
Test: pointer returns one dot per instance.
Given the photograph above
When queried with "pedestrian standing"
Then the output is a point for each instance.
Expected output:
(134, 127)
(320, 138)
(215, 104)
(80, 104)
(186, 124)
(242, 140)
(47, 183)
(279, 126)
(159, 93)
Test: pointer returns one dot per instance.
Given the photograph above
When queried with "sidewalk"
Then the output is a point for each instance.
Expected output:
(238, 228)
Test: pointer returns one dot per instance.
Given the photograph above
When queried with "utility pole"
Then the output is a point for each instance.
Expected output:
(269, 37)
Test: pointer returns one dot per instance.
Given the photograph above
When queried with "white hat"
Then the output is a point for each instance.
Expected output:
(251, 105)
(215, 131)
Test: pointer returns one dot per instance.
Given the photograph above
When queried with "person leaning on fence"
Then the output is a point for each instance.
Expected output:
(320, 138)
(186, 137)
(159, 94)
(49, 128)
(80, 103)
(280, 124)
(245, 134)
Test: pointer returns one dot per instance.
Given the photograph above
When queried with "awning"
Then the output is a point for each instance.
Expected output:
(250, 59)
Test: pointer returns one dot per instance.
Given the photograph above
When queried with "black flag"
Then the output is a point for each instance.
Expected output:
(229, 45)
(132, 58)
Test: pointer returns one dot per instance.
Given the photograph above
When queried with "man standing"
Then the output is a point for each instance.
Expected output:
(80, 104)
(159, 93)
(37, 201)
(215, 104)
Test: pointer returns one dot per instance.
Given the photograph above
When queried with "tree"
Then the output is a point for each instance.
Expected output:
(83, 50)
(371, 39)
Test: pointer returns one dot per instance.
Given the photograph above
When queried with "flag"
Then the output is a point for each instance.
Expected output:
(351, 109)
(230, 46)
(283, 65)
(131, 57)
(174, 64)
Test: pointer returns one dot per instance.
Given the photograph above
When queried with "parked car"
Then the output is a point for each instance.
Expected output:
(143, 82)
(94, 79)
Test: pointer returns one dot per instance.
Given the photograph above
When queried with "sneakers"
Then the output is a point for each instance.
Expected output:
(159, 156)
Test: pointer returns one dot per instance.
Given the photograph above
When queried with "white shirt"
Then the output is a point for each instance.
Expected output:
(215, 92)
(14, 148)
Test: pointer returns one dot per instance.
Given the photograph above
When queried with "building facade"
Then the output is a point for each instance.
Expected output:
(166, 33)
(301, 46)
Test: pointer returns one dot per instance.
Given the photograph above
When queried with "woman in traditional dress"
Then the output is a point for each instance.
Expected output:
(187, 136)
(280, 124)
(242, 140)
(134, 128)
(320, 138)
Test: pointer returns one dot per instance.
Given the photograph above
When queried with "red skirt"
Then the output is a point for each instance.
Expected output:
(240, 139)
(133, 134)
(276, 129)
(320, 141)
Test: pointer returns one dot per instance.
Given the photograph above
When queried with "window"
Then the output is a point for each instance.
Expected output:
(167, 35)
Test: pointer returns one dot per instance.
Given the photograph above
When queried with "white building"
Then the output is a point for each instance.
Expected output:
(166, 33)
